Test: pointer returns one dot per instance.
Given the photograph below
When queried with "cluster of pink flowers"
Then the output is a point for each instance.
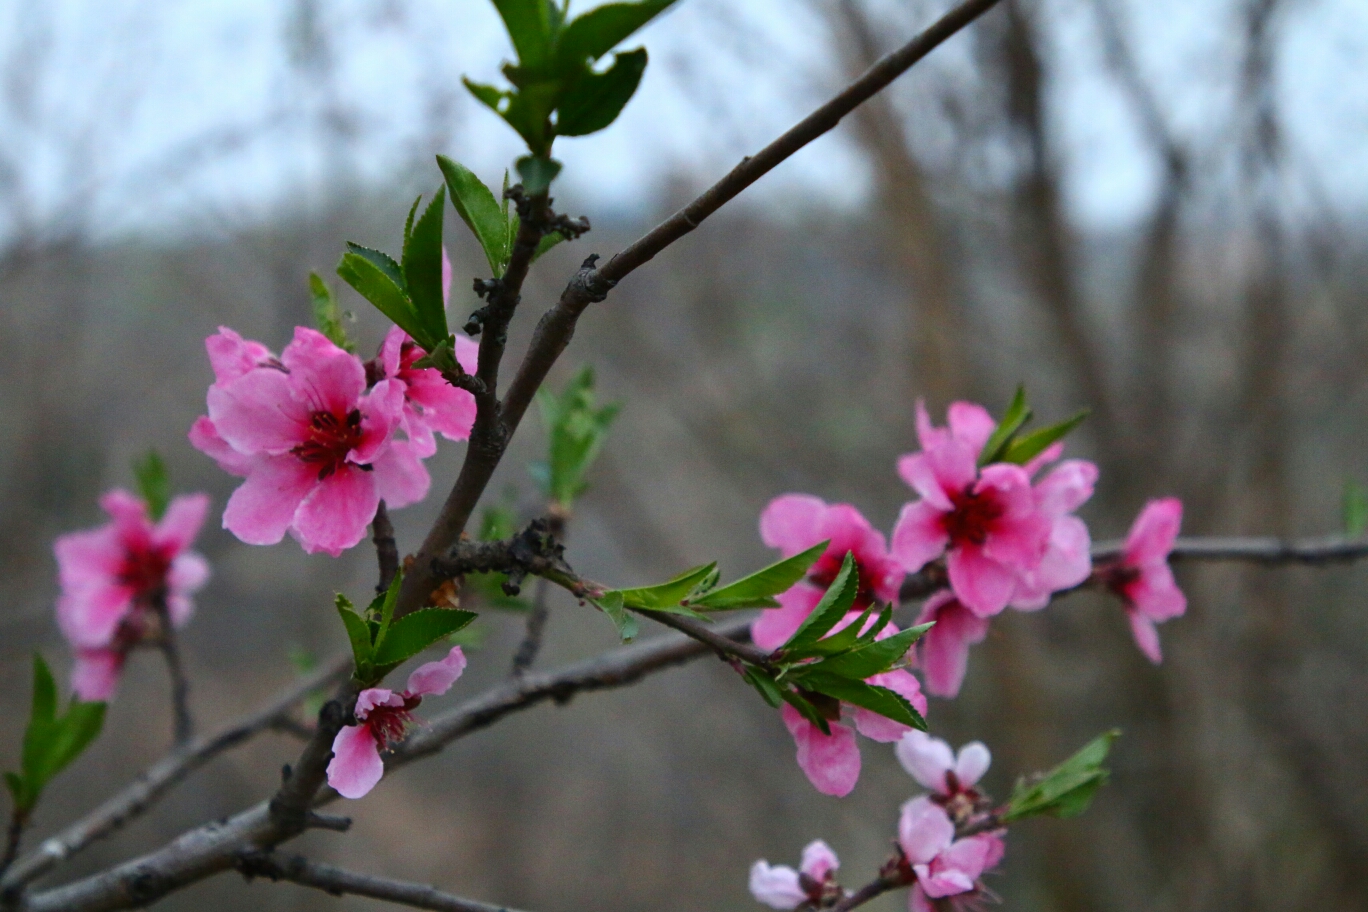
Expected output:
(382, 718)
(1009, 537)
(120, 579)
(781, 887)
(793, 523)
(314, 433)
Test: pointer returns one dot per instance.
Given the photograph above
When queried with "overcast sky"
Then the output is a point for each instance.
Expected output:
(167, 115)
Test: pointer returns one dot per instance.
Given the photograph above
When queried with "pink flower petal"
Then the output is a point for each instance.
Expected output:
(231, 356)
(89, 617)
(356, 765)
(1156, 595)
(188, 573)
(205, 438)
(323, 377)
(382, 412)
(263, 507)
(182, 521)
(926, 759)
(972, 762)
(818, 860)
(1067, 563)
(334, 515)
(776, 886)
(372, 697)
(831, 762)
(982, 585)
(467, 353)
(774, 626)
(179, 609)
(95, 676)
(436, 678)
(1066, 488)
(1146, 636)
(971, 424)
(400, 476)
(924, 830)
(1151, 535)
(919, 536)
(945, 647)
(129, 513)
(88, 558)
(1044, 458)
(257, 413)
(881, 728)
(928, 435)
(917, 901)
(793, 523)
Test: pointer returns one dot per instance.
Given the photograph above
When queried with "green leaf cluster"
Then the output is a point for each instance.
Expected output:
(408, 292)
(380, 643)
(1355, 509)
(1009, 444)
(327, 315)
(154, 483)
(493, 222)
(576, 427)
(558, 89)
(51, 742)
(1068, 789)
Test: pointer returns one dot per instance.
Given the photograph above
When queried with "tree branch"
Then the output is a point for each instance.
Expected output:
(386, 548)
(338, 881)
(158, 779)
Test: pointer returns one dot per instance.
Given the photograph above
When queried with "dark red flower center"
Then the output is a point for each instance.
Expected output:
(144, 568)
(972, 518)
(824, 572)
(331, 438)
(389, 723)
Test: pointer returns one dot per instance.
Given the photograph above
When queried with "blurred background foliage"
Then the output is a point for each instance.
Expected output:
(1153, 209)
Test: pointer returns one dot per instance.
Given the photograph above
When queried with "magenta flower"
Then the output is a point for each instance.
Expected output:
(112, 577)
(1067, 561)
(986, 522)
(944, 649)
(943, 865)
(832, 762)
(1143, 579)
(430, 403)
(933, 764)
(795, 522)
(316, 447)
(383, 717)
(781, 887)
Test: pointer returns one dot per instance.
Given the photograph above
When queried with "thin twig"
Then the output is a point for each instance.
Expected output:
(870, 891)
(13, 835)
(386, 548)
(158, 779)
(536, 626)
(338, 881)
(180, 684)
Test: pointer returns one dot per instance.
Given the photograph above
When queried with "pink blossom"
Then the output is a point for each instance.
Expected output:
(944, 649)
(1143, 579)
(430, 403)
(986, 522)
(795, 522)
(1067, 561)
(113, 576)
(943, 865)
(383, 717)
(781, 887)
(933, 764)
(316, 447)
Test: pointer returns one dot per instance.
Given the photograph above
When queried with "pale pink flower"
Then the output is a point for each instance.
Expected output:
(1067, 561)
(383, 717)
(933, 764)
(315, 445)
(781, 887)
(795, 522)
(943, 651)
(986, 522)
(944, 866)
(431, 404)
(113, 575)
(1143, 579)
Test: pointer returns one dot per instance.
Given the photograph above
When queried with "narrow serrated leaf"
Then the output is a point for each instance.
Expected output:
(529, 27)
(477, 207)
(1028, 446)
(327, 316)
(423, 268)
(625, 622)
(769, 688)
(834, 605)
(588, 37)
(769, 581)
(358, 634)
(414, 632)
(667, 594)
(594, 100)
(867, 661)
(1066, 790)
(154, 483)
(1018, 413)
(376, 285)
(876, 699)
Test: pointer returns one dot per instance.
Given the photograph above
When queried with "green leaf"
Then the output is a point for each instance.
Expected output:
(594, 100)
(154, 483)
(576, 428)
(623, 620)
(327, 316)
(51, 742)
(537, 172)
(367, 271)
(391, 598)
(768, 687)
(80, 726)
(477, 207)
(358, 633)
(18, 790)
(413, 633)
(1066, 790)
(1018, 413)
(590, 36)
(495, 99)
(423, 268)
(1355, 509)
(843, 640)
(529, 26)
(805, 708)
(44, 708)
(1028, 446)
(867, 661)
(839, 598)
(667, 594)
(754, 591)
(546, 243)
(876, 699)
